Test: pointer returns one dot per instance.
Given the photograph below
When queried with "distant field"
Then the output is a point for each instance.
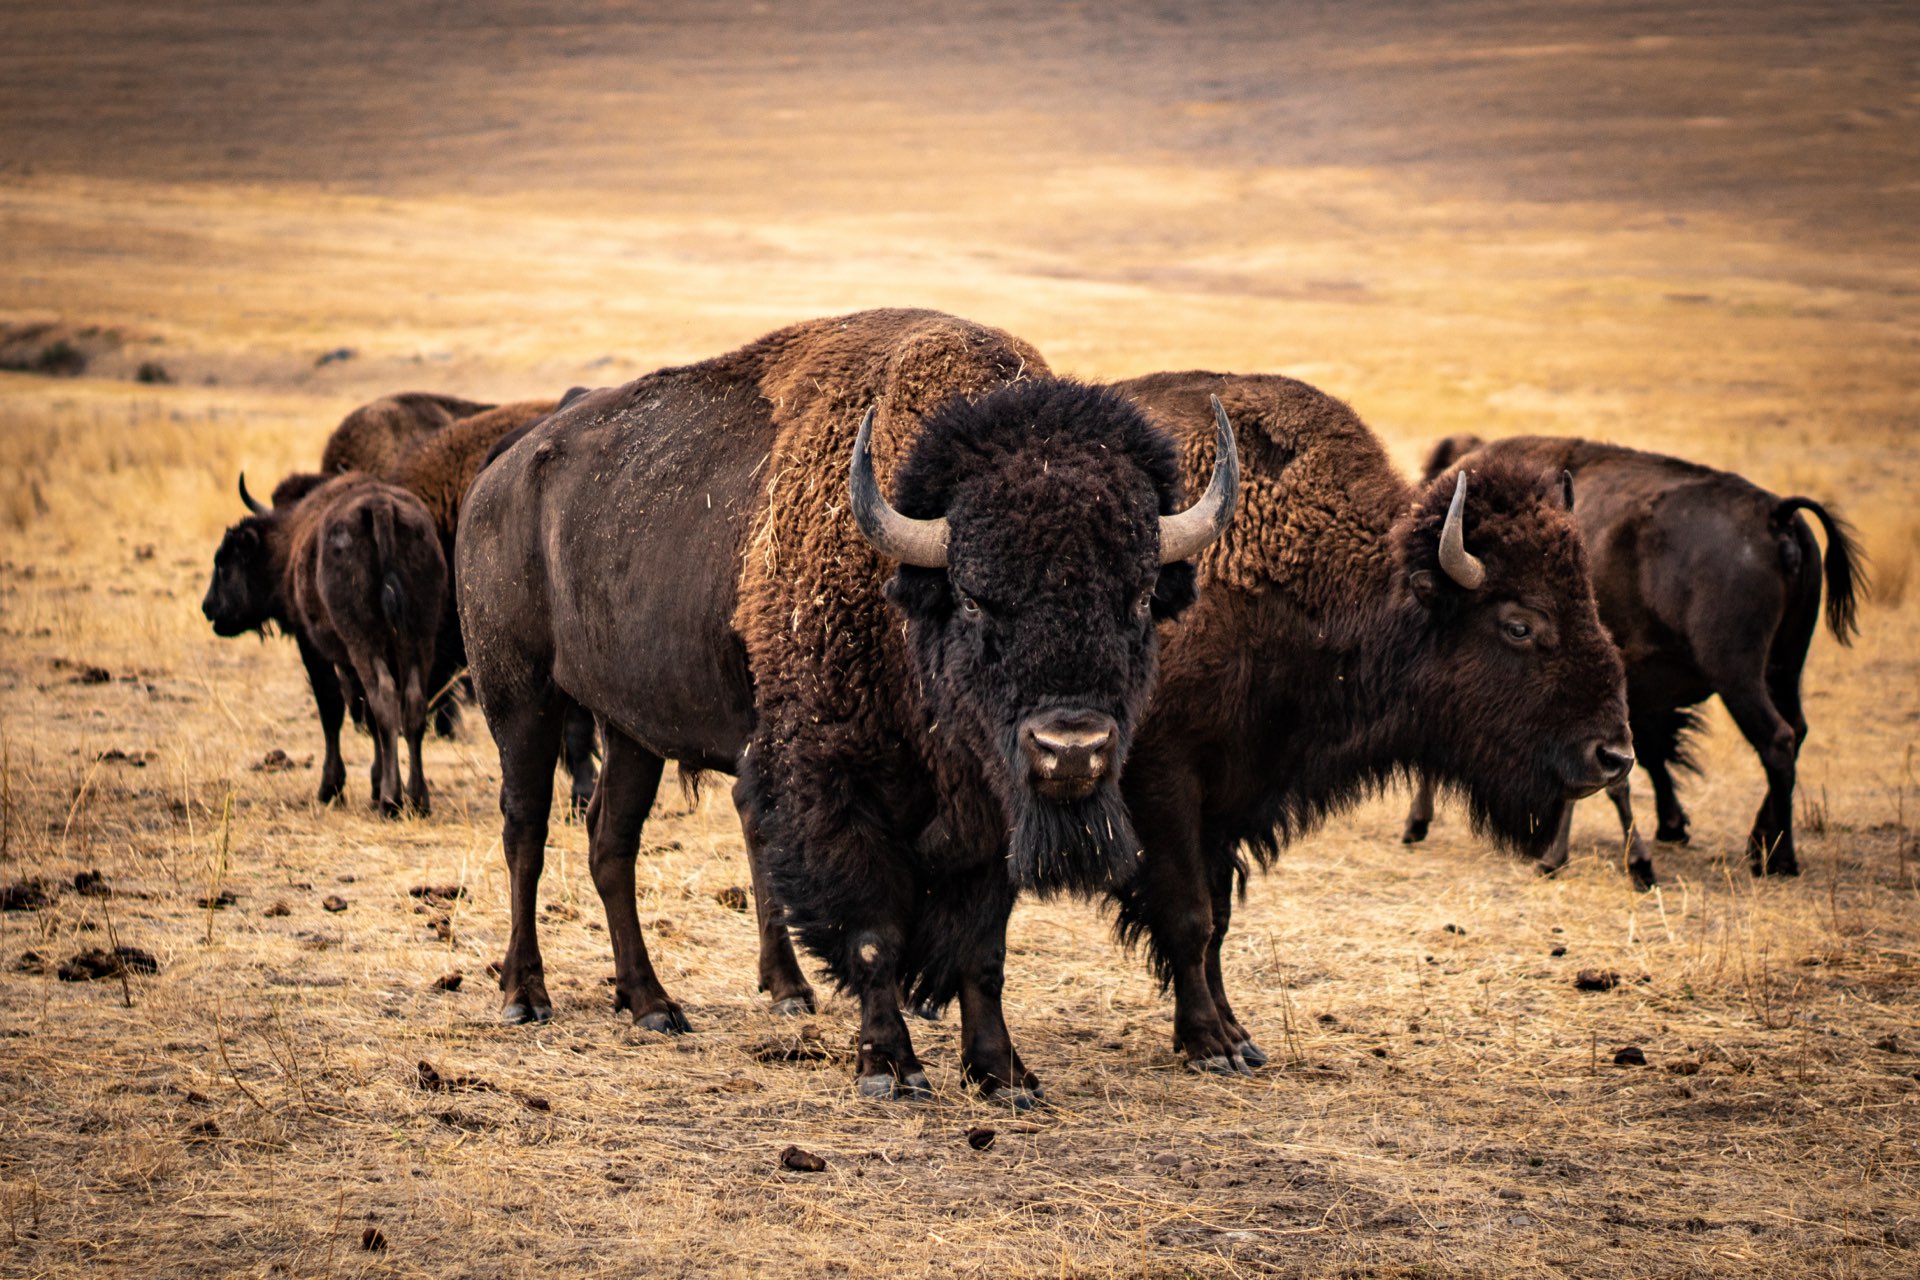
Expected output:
(1690, 232)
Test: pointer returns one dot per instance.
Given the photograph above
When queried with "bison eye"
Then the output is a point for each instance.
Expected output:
(1517, 631)
(1143, 603)
(969, 606)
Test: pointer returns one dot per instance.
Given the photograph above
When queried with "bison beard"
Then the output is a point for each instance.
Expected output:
(1073, 846)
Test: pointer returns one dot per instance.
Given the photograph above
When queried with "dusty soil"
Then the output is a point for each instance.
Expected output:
(1685, 229)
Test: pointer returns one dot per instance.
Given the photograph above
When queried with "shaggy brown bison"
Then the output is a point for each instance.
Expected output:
(929, 690)
(1351, 627)
(350, 567)
(1710, 585)
(372, 437)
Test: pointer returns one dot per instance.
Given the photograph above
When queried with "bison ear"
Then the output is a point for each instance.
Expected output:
(1425, 587)
(921, 593)
(1174, 591)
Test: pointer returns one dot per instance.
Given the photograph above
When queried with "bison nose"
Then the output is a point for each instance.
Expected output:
(1069, 746)
(1613, 762)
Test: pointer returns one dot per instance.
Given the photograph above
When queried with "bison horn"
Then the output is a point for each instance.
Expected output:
(1461, 564)
(1187, 533)
(253, 503)
(916, 542)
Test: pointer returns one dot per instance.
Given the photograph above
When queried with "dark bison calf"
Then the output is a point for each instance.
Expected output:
(352, 569)
(1709, 585)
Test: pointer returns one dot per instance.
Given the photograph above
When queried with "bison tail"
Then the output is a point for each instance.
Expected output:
(1846, 566)
(393, 594)
(1448, 452)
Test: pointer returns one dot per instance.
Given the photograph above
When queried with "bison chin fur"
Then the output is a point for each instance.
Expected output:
(1522, 817)
(1072, 846)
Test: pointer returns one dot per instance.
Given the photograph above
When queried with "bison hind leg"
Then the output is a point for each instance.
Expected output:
(413, 710)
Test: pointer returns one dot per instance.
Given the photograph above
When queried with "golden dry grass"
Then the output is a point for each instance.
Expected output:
(1694, 240)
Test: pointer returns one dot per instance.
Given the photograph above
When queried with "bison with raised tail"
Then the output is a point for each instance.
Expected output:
(1351, 628)
(352, 569)
(939, 691)
(1710, 585)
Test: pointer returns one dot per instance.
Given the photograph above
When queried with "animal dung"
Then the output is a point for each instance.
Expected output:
(278, 909)
(1631, 1056)
(94, 964)
(334, 903)
(980, 1137)
(449, 981)
(733, 898)
(91, 884)
(215, 901)
(25, 895)
(437, 894)
(798, 1161)
(1596, 980)
(373, 1240)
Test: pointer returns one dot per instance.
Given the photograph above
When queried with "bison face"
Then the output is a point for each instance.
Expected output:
(240, 597)
(1524, 695)
(1032, 635)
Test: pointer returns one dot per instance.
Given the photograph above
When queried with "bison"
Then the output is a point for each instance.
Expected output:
(373, 437)
(1709, 585)
(352, 568)
(1351, 628)
(927, 702)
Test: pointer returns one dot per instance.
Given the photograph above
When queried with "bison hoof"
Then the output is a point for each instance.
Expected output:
(793, 1006)
(516, 1014)
(1545, 868)
(1022, 1099)
(1220, 1065)
(669, 1021)
(929, 1010)
(1251, 1054)
(1416, 831)
(913, 1087)
(1642, 872)
(1672, 835)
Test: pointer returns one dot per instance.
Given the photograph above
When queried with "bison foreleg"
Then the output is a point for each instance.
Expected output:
(1639, 861)
(619, 807)
(1222, 869)
(780, 975)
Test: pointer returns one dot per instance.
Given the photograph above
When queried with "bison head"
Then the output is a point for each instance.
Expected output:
(1525, 700)
(241, 596)
(1038, 546)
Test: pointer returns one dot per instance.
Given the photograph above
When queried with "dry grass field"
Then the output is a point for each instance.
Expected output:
(1689, 229)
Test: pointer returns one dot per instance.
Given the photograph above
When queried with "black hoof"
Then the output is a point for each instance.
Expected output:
(1542, 867)
(909, 1088)
(1642, 873)
(1416, 832)
(1252, 1054)
(517, 1014)
(793, 1007)
(929, 1010)
(1021, 1099)
(1220, 1065)
(1672, 835)
(666, 1021)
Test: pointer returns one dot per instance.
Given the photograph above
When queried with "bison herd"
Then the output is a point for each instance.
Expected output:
(962, 629)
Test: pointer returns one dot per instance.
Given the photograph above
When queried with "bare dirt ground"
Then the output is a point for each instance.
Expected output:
(1684, 228)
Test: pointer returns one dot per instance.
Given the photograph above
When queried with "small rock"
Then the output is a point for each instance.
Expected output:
(1511, 1193)
(801, 1161)
(980, 1137)
(733, 898)
(1631, 1056)
(95, 964)
(275, 761)
(1596, 980)
(25, 895)
(373, 1240)
(278, 909)
(449, 981)
(334, 903)
(1520, 1220)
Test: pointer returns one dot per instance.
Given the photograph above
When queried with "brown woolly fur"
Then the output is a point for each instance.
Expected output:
(1710, 585)
(352, 569)
(437, 467)
(373, 436)
(1331, 652)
